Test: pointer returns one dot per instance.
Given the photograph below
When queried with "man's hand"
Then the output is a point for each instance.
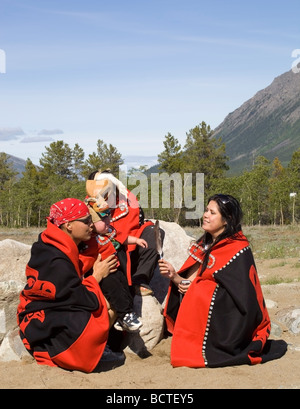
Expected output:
(102, 268)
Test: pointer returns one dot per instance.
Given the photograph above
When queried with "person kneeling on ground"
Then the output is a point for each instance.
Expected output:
(63, 317)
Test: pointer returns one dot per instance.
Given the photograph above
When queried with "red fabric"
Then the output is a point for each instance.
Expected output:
(67, 210)
(128, 224)
(90, 252)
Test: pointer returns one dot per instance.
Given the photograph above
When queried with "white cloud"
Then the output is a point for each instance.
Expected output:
(50, 132)
(10, 134)
(34, 139)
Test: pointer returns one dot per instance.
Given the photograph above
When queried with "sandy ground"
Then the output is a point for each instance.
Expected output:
(155, 371)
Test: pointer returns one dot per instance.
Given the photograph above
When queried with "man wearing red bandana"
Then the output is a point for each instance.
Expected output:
(63, 317)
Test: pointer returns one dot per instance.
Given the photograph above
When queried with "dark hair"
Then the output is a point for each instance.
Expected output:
(93, 174)
(232, 214)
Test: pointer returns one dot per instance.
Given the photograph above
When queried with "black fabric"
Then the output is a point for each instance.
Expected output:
(60, 296)
(144, 260)
(116, 290)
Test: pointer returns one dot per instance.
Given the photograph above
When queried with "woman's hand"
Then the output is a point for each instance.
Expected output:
(102, 268)
(183, 286)
(168, 271)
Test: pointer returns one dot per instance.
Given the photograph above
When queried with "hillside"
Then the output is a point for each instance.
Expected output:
(267, 124)
(17, 164)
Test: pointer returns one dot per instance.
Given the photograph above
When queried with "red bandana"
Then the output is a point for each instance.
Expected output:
(67, 210)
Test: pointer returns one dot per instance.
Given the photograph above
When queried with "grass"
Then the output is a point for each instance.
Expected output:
(267, 242)
(278, 280)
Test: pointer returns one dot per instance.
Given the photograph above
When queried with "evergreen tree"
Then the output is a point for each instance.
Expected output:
(106, 157)
(205, 154)
(278, 193)
(254, 185)
(293, 172)
(7, 181)
(171, 160)
(58, 160)
(77, 161)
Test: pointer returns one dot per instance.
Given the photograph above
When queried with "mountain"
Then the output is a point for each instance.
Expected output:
(17, 163)
(267, 124)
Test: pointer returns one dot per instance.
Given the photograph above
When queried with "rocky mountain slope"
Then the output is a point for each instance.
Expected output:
(267, 124)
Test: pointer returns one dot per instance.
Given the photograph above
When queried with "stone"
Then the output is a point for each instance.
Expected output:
(13, 259)
(276, 331)
(9, 300)
(12, 348)
(270, 304)
(150, 312)
(290, 317)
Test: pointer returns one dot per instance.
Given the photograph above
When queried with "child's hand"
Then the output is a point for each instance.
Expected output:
(142, 243)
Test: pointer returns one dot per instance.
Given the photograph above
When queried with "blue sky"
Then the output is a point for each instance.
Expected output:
(130, 71)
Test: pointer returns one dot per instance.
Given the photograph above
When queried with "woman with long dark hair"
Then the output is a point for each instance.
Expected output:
(215, 308)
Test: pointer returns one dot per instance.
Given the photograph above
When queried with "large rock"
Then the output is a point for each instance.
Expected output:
(9, 300)
(150, 312)
(290, 317)
(12, 348)
(13, 259)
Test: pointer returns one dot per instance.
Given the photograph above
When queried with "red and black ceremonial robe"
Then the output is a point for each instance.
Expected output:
(222, 319)
(63, 318)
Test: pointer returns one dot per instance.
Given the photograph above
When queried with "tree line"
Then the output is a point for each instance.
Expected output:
(268, 192)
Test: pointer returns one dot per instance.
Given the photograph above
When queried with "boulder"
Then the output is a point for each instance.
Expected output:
(13, 259)
(290, 317)
(9, 300)
(12, 348)
(150, 312)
